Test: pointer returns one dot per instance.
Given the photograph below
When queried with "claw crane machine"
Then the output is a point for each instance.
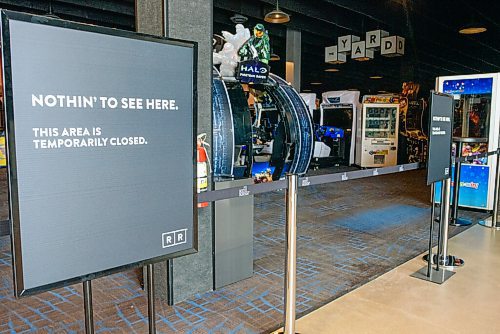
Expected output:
(476, 127)
(378, 129)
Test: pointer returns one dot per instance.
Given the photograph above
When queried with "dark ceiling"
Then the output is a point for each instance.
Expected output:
(433, 45)
(109, 13)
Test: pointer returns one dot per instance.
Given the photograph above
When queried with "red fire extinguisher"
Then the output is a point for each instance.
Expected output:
(203, 164)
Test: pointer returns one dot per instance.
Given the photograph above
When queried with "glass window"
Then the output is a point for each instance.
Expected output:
(380, 122)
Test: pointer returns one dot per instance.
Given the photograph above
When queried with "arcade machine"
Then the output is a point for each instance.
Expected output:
(334, 128)
(261, 130)
(378, 127)
(476, 127)
(262, 127)
(310, 100)
(3, 153)
(413, 120)
(266, 138)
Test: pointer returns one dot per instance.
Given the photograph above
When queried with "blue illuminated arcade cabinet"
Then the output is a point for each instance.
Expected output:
(335, 124)
(476, 127)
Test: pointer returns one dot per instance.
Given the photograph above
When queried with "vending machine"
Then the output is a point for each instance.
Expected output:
(476, 124)
(377, 138)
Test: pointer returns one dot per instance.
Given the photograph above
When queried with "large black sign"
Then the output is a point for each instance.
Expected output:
(252, 71)
(440, 137)
(101, 142)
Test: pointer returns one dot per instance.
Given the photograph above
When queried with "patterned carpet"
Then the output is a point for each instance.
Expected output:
(349, 233)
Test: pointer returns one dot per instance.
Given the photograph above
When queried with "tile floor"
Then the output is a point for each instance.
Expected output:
(349, 234)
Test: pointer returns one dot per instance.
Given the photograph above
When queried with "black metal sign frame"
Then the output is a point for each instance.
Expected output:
(17, 259)
(440, 138)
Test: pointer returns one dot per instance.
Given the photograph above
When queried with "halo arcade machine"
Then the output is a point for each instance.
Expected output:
(261, 129)
(378, 128)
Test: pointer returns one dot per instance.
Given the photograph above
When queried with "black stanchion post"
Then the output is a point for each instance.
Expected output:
(440, 274)
(151, 298)
(88, 308)
(455, 220)
(494, 218)
(291, 251)
(433, 210)
(445, 217)
(492, 221)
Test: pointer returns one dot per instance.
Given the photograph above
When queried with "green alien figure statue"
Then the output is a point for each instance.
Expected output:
(257, 46)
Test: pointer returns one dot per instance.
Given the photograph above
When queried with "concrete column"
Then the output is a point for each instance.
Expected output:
(149, 20)
(189, 20)
(149, 17)
(293, 57)
(193, 20)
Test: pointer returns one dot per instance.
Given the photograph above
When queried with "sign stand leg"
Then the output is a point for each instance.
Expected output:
(446, 260)
(88, 309)
(430, 255)
(445, 218)
(291, 251)
(151, 298)
(492, 222)
(440, 274)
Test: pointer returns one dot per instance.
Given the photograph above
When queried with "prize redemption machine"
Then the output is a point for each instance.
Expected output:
(334, 125)
(378, 127)
(476, 122)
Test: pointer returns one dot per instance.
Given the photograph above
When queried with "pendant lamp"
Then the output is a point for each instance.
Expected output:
(277, 15)
(471, 29)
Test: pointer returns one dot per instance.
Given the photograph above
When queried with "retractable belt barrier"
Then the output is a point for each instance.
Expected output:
(291, 185)
(254, 189)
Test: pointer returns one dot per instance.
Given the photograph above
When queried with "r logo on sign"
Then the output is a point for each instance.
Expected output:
(174, 238)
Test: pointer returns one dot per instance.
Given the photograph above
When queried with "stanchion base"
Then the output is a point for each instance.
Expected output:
(488, 222)
(460, 222)
(436, 276)
(449, 261)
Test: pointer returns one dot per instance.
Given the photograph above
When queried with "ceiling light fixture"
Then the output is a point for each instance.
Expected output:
(274, 57)
(316, 83)
(306, 91)
(331, 70)
(471, 29)
(238, 19)
(376, 77)
(277, 15)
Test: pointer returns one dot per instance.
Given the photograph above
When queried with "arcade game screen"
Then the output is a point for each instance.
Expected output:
(471, 117)
(338, 117)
